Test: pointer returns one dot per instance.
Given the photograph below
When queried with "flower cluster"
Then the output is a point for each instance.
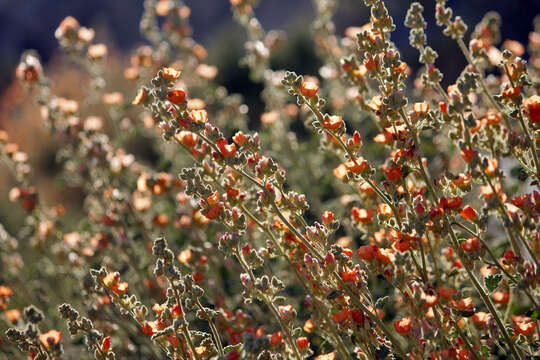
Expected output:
(364, 220)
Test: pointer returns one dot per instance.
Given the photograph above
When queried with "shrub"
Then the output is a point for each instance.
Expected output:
(404, 226)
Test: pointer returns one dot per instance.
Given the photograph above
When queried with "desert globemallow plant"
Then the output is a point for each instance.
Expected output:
(400, 222)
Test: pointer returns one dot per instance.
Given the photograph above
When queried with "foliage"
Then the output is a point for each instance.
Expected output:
(370, 217)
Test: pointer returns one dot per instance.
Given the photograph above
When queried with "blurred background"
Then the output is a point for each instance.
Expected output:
(31, 24)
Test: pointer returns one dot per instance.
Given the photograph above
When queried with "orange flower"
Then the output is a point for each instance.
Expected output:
(493, 118)
(227, 150)
(501, 297)
(462, 180)
(469, 213)
(376, 103)
(302, 342)
(106, 344)
(467, 154)
(5, 291)
(430, 300)
(239, 138)
(384, 209)
(97, 51)
(420, 108)
(213, 211)
(493, 164)
(309, 89)
(451, 203)
(187, 138)
(197, 276)
(403, 326)
(357, 165)
(532, 108)
(393, 174)
(170, 73)
(512, 92)
(341, 316)
(333, 122)
(366, 188)
(470, 245)
(480, 318)
(141, 96)
(367, 252)
(147, 329)
(465, 304)
(276, 338)
(309, 326)
(200, 350)
(199, 115)
(385, 255)
(112, 279)
(446, 292)
(329, 356)
(402, 245)
(13, 315)
(362, 215)
(50, 338)
(524, 325)
(176, 96)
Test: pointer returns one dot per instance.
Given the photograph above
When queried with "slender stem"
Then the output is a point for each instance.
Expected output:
(374, 317)
(271, 306)
(213, 328)
(496, 261)
(533, 144)
(482, 293)
(485, 90)
(466, 341)
(455, 243)
(337, 338)
(340, 345)
(185, 328)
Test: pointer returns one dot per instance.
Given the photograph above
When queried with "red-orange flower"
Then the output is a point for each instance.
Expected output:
(469, 213)
(532, 108)
(226, 149)
(5, 291)
(367, 252)
(170, 73)
(141, 96)
(524, 325)
(187, 138)
(403, 326)
(106, 344)
(332, 122)
(302, 342)
(465, 304)
(470, 245)
(393, 174)
(421, 108)
(50, 338)
(309, 89)
(362, 215)
(357, 165)
(176, 96)
(501, 297)
(329, 356)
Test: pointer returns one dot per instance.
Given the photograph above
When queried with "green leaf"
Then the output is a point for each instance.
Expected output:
(492, 281)
(381, 302)
(485, 350)
(231, 348)
(452, 273)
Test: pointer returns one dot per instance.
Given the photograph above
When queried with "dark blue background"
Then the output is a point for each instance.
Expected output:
(31, 23)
